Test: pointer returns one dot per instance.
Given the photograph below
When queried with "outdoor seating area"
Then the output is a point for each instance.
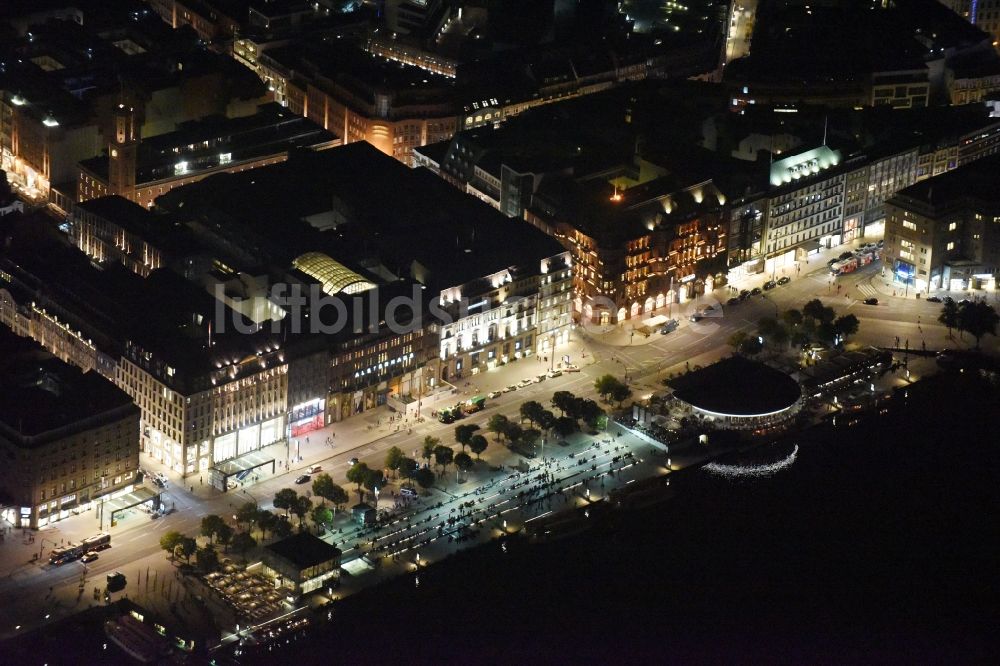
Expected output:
(250, 595)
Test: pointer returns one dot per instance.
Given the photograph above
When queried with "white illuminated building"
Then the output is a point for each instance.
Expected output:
(194, 418)
(508, 315)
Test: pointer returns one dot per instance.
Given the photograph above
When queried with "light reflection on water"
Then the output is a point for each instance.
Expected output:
(752, 471)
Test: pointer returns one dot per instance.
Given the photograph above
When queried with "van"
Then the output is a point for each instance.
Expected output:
(408, 492)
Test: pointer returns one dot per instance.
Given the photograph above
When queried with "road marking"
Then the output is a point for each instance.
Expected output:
(867, 290)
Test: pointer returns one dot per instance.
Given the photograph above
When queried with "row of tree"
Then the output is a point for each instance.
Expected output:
(206, 557)
(814, 322)
(973, 317)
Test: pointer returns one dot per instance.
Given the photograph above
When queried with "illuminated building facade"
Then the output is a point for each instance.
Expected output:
(301, 564)
(944, 232)
(514, 313)
(240, 408)
(818, 200)
(68, 437)
(114, 229)
(210, 20)
(637, 250)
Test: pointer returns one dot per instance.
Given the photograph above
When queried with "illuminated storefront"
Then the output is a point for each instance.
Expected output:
(306, 417)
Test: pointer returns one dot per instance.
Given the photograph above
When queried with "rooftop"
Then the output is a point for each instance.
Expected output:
(846, 42)
(216, 141)
(304, 550)
(164, 233)
(737, 386)
(40, 393)
(979, 180)
(387, 212)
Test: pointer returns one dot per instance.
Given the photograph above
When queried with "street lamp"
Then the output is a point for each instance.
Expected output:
(41, 546)
(670, 296)
(771, 301)
(100, 514)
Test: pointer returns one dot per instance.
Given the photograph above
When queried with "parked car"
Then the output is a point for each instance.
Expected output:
(756, 291)
(871, 301)
(89, 556)
(512, 387)
(527, 382)
(735, 300)
(554, 373)
(541, 378)
(934, 299)
(770, 284)
(784, 280)
(407, 492)
(571, 368)
(744, 295)
(493, 394)
(846, 255)
(669, 326)
(304, 478)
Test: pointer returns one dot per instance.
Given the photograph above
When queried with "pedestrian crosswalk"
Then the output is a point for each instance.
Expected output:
(867, 290)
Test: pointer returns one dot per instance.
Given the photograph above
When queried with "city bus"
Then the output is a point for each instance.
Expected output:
(845, 266)
(473, 405)
(75, 552)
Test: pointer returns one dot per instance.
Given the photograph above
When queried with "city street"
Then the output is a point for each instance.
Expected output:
(740, 29)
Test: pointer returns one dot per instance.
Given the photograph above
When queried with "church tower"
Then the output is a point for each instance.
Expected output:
(122, 153)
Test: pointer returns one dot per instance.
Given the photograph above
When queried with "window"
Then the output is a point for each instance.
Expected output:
(951, 246)
(952, 226)
(907, 224)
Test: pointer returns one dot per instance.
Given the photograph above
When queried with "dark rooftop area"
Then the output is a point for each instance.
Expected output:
(737, 386)
(304, 550)
(847, 41)
(979, 180)
(40, 393)
(389, 212)
(166, 234)
(200, 143)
